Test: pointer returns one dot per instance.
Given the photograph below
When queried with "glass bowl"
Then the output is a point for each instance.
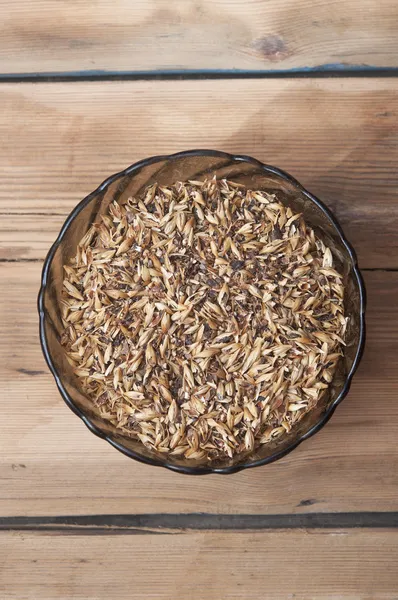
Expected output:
(166, 170)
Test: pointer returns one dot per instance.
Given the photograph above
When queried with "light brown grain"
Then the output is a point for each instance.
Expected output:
(242, 290)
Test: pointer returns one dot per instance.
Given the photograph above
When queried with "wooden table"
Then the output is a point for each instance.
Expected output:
(90, 87)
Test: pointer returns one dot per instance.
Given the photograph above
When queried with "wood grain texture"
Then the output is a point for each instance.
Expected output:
(338, 137)
(320, 565)
(51, 465)
(52, 36)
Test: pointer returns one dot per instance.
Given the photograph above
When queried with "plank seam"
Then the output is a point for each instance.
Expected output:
(328, 70)
(167, 522)
(21, 260)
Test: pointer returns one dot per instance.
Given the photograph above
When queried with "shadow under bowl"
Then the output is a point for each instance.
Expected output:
(166, 170)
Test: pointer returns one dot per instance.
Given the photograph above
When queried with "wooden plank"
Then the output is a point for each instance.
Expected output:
(338, 137)
(51, 465)
(28, 236)
(344, 564)
(52, 36)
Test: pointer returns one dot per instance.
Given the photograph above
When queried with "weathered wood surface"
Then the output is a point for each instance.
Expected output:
(339, 137)
(126, 530)
(48, 36)
(59, 141)
(51, 465)
(344, 564)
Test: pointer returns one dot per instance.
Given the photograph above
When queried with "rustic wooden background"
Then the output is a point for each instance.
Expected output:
(88, 88)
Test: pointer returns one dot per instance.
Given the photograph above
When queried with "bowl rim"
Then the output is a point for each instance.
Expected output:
(205, 469)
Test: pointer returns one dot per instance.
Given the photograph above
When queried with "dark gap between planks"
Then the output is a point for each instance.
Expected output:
(177, 523)
(328, 70)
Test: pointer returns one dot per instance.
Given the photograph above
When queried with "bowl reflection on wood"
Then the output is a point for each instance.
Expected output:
(166, 170)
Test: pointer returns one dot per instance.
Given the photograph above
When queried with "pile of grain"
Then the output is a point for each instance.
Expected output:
(203, 319)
